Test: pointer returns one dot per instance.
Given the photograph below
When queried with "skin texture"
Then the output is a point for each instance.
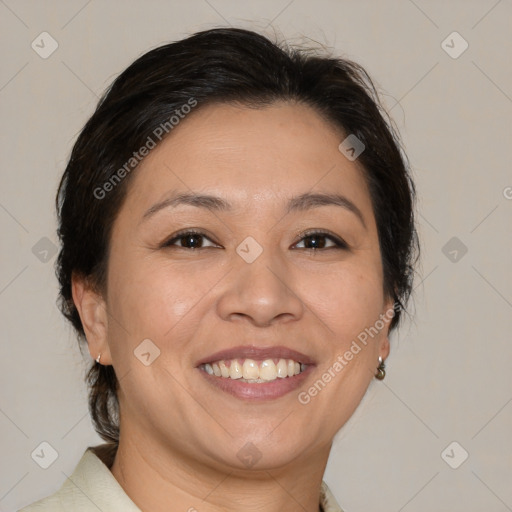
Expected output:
(179, 434)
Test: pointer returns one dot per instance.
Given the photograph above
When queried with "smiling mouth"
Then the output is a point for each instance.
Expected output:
(254, 371)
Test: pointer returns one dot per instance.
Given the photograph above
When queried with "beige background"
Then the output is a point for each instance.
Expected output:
(449, 373)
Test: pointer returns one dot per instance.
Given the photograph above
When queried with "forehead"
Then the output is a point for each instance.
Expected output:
(253, 157)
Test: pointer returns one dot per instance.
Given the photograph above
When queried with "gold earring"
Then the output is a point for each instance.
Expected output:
(381, 370)
(98, 358)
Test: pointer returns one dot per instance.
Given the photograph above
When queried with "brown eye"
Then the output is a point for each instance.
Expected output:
(320, 240)
(189, 240)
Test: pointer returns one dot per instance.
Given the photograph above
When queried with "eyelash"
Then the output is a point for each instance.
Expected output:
(340, 244)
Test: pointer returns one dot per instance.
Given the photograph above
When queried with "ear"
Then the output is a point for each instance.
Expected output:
(387, 316)
(92, 309)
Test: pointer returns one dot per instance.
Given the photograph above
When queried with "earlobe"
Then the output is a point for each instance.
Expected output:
(389, 313)
(385, 347)
(387, 317)
(93, 314)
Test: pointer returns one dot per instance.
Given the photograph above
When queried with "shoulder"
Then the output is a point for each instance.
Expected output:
(90, 488)
(51, 503)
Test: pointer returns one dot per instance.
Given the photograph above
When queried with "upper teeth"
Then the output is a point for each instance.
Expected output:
(254, 371)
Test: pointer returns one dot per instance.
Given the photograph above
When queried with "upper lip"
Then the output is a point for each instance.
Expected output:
(254, 352)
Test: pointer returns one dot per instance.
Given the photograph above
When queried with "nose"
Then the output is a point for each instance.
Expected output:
(260, 292)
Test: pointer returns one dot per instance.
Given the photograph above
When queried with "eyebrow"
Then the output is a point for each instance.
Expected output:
(212, 203)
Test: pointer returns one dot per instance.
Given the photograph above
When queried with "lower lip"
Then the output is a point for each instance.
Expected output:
(258, 391)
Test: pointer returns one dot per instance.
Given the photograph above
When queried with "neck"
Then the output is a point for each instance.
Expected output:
(155, 475)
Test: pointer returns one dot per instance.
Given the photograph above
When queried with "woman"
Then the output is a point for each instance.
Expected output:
(238, 241)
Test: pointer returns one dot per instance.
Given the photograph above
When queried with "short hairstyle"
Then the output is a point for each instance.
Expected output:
(224, 65)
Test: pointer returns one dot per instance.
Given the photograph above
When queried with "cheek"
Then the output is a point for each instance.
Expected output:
(347, 300)
(163, 300)
(158, 300)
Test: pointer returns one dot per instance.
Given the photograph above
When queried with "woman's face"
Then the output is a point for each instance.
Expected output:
(252, 278)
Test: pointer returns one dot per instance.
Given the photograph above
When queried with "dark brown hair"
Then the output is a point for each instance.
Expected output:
(216, 66)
